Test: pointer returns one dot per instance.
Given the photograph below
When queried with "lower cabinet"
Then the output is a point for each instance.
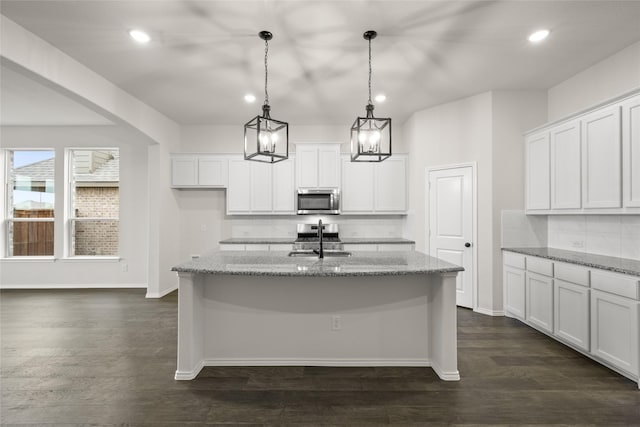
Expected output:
(614, 330)
(571, 313)
(514, 286)
(539, 301)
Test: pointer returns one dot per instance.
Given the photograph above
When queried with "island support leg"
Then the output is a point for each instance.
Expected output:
(443, 341)
(190, 326)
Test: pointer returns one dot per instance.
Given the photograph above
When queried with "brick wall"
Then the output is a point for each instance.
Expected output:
(97, 237)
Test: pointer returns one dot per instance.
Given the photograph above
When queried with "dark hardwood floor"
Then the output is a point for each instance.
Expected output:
(107, 357)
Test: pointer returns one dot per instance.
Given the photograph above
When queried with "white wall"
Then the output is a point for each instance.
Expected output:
(613, 76)
(134, 212)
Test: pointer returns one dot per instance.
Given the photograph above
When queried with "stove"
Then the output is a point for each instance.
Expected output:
(308, 238)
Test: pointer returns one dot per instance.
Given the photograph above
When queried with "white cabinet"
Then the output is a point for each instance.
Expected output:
(260, 188)
(631, 152)
(318, 165)
(614, 330)
(199, 170)
(374, 188)
(539, 301)
(357, 187)
(537, 172)
(602, 159)
(514, 288)
(571, 310)
(239, 190)
(565, 166)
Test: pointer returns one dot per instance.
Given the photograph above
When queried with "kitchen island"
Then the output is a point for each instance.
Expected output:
(268, 309)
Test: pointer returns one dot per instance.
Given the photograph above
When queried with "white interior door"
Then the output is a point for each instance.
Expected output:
(451, 224)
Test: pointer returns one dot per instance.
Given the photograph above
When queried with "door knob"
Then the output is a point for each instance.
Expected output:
(467, 245)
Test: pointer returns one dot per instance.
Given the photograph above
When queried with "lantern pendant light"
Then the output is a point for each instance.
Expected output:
(370, 136)
(266, 139)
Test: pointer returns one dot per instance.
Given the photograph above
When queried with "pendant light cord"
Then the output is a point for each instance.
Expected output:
(266, 73)
(370, 103)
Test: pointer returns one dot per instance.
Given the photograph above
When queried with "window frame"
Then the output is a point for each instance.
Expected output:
(69, 210)
(7, 217)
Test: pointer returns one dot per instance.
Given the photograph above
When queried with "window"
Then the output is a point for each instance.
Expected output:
(94, 202)
(30, 202)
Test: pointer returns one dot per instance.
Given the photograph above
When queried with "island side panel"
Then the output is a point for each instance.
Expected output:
(266, 320)
(190, 325)
(442, 325)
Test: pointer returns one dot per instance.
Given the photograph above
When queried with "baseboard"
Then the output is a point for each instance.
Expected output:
(73, 286)
(316, 362)
(160, 294)
(489, 312)
(445, 376)
(189, 375)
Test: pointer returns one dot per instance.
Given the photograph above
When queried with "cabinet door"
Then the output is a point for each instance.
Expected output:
(261, 187)
(184, 171)
(212, 171)
(601, 159)
(538, 164)
(357, 187)
(283, 187)
(306, 166)
(571, 310)
(514, 292)
(565, 166)
(390, 185)
(614, 330)
(539, 301)
(631, 152)
(329, 165)
(239, 189)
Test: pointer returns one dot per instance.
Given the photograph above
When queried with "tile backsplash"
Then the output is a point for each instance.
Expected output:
(612, 235)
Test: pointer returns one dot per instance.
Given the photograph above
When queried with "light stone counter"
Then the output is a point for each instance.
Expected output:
(266, 263)
(268, 309)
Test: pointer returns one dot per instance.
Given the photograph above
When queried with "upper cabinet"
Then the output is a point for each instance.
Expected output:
(318, 165)
(537, 148)
(601, 159)
(260, 188)
(374, 188)
(631, 152)
(589, 164)
(199, 170)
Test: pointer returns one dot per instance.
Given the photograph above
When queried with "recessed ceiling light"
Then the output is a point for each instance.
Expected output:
(538, 36)
(249, 99)
(380, 98)
(139, 36)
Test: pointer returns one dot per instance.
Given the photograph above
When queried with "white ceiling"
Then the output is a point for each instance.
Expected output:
(205, 55)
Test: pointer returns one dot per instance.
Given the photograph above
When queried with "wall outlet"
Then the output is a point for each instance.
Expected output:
(124, 267)
(577, 244)
(336, 323)
(203, 227)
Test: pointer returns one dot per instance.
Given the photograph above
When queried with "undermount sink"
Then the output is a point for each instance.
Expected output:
(328, 253)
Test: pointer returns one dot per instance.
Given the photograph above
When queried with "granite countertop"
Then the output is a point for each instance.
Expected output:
(619, 265)
(291, 240)
(266, 263)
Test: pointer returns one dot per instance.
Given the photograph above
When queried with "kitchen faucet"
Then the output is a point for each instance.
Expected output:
(321, 251)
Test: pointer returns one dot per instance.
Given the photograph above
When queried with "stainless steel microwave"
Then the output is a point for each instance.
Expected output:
(318, 201)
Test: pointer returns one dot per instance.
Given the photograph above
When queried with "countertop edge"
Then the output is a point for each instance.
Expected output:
(586, 263)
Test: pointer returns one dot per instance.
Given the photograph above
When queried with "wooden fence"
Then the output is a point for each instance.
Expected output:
(34, 237)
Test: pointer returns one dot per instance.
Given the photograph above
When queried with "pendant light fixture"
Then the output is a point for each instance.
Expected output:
(370, 136)
(265, 139)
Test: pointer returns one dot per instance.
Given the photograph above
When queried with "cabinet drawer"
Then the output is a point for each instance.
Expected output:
(618, 284)
(513, 260)
(540, 266)
(571, 273)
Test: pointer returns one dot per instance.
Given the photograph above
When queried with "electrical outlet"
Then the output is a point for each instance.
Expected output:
(577, 244)
(124, 267)
(203, 227)
(336, 323)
